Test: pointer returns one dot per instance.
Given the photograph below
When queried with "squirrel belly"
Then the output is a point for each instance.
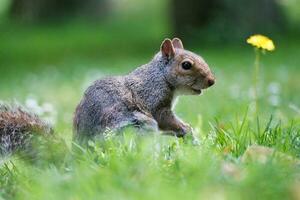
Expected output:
(18, 127)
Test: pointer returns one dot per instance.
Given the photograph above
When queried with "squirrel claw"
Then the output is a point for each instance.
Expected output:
(185, 129)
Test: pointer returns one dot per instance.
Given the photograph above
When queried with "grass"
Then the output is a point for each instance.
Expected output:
(49, 66)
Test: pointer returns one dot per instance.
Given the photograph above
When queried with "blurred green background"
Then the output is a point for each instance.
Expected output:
(51, 50)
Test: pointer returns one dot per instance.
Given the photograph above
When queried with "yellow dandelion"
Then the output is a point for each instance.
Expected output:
(261, 41)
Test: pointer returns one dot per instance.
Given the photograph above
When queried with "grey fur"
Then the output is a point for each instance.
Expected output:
(144, 97)
(17, 127)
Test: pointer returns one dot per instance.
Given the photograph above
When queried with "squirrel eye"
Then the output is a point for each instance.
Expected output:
(186, 65)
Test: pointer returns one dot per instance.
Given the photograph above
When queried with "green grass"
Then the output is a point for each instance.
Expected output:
(51, 65)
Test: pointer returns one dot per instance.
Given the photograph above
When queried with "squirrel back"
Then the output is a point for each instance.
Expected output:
(17, 128)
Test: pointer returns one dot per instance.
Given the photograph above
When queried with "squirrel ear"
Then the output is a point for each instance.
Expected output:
(177, 43)
(167, 48)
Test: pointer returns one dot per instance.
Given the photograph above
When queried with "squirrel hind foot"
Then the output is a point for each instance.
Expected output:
(144, 122)
(141, 122)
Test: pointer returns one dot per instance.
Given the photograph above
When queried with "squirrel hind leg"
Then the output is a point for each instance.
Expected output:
(144, 122)
(139, 121)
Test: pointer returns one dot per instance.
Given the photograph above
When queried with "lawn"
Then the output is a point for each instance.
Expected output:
(47, 69)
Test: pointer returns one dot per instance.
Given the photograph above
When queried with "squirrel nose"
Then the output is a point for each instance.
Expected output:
(210, 82)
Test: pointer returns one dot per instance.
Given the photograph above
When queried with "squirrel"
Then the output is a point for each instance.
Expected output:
(145, 97)
(17, 128)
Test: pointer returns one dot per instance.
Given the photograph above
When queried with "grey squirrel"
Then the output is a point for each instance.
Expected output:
(144, 99)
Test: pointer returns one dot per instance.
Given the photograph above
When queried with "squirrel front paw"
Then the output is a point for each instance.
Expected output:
(184, 129)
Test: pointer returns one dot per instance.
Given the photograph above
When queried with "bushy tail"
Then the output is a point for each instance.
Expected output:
(17, 128)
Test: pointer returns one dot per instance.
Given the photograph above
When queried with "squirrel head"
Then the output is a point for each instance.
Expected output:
(186, 71)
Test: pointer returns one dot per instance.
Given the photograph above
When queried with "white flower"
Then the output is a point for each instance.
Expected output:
(48, 107)
(274, 88)
(46, 111)
(274, 100)
(33, 106)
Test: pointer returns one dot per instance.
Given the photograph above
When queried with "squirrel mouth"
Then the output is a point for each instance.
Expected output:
(198, 91)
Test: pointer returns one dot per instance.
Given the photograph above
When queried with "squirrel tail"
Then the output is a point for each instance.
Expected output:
(17, 128)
